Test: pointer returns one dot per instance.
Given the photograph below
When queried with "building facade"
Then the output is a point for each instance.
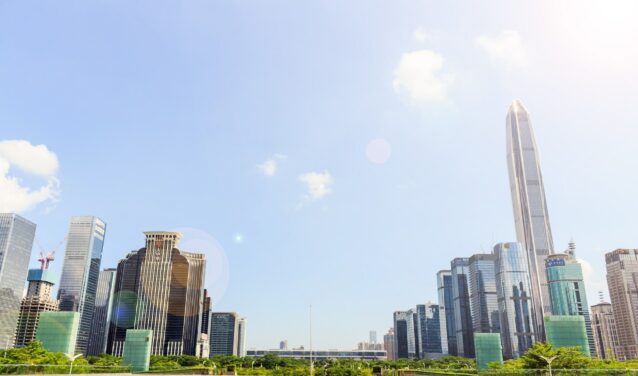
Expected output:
(241, 337)
(488, 349)
(622, 279)
(446, 307)
(405, 335)
(38, 300)
(429, 337)
(102, 314)
(206, 310)
(531, 217)
(159, 288)
(482, 290)
(80, 273)
(224, 333)
(16, 242)
(567, 331)
(604, 328)
(459, 268)
(567, 289)
(58, 331)
(389, 343)
(514, 299)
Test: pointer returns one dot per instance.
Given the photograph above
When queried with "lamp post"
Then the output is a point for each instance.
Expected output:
(72, 358)
(6, 345)
(549, 361)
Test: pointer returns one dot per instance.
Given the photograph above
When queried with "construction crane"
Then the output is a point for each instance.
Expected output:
(45, 260)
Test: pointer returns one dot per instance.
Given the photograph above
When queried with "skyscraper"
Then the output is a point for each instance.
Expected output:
(224, 333)
(80, 273)
(461, 301)
(405, 335)
(604, 328)
(206, 310)
(241, 337)
(429, 338)
(373, 337)
(16, 241)
(38, 300)
(567, 289)
(102, 315)
(514, 299)
(446, 306)
(159, 288)
(530, 207)
(389, 344)
(622, 279)
(482, 288)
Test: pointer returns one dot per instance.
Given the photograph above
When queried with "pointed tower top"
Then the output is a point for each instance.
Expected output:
(517, 106)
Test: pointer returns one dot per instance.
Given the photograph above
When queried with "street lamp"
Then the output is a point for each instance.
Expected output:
(6, 345)
(549, 361)
(72, 358)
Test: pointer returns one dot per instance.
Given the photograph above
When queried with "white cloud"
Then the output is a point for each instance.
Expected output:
(29, 159)
(506, 49)
(418, 75)
(269, 167)
(318, 184)
(420, 35)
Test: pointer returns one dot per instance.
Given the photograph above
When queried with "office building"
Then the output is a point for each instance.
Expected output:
(80, 273)
(488, 349)
(373, 337)
(159, 288)
(405, 335)
(446, 307)
(604, 328)
(459, 268)
(283, 345)
(38, 300)
(322, 354)
(389, 343)
(622, 279)
(482, 290)
(137, 349)
(16, 241)
(58, 331)
(224, 333)
(514, 299)
(431, 343)
(531, 217)
(567, 289)
(206, 310)
(102, 314)
(241, 337)
(567, 331)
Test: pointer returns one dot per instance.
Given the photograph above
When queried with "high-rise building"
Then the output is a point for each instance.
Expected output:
(38, 300)
(483, 300)
(446, 307)
(567, 289)
(206, 310)
(224, 333)
(622, 279)
(241, 337)
(389, 344)
(604, 328)
(405, 335)
(531, 218)
(102, 314)
(80, 273)
(430, 341)
(460, 271)
(283, 345)
(514, 299)
(58, 331)
(567, 331)
(159, 288)
(16, 241)
(373, 337)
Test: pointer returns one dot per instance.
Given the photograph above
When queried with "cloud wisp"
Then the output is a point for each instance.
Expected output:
(419, 75)
(31, 160)
(505, 49)
(269, 167)
(318, 184)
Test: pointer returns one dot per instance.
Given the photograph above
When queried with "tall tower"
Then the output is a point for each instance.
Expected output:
(159, 288)
(446, 306)
(622, 279)
(483, 299)
(224, 333)
(461, 301)
(530, 207)
(16, 241)
(80, 272)
(102, 314)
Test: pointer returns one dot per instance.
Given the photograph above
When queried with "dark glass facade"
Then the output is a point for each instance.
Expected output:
(461, 300)
(224, 333)
(446, 306)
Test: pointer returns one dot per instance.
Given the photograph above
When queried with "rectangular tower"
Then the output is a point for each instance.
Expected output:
(405, 334)
(430, 338)
(483, 300)
(622, 279)
(604, 328)
(444, 286)
(531, 217)
(38, 300)
(16, 241)
(461, 300)
(80, 272)
(224, 333)
(102, 315)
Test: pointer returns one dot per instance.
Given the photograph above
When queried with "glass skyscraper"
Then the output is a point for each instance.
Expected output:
(80, 273)
(102, 314)
(567, 289)
(483, 300)
(446, 306)
(430, 339)
(405, 334)
(460, 271)
(16, 241)
(224, 333)
(514, 299)
(530, 207)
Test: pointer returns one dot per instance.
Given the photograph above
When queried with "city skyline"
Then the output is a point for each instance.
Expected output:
(284, 164)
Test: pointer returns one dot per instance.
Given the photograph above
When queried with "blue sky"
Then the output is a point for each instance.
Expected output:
(247, 123)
